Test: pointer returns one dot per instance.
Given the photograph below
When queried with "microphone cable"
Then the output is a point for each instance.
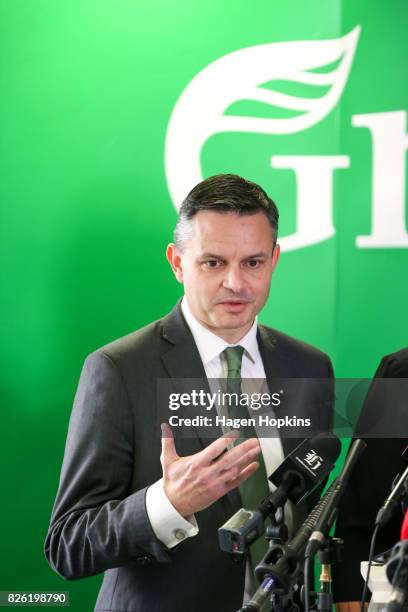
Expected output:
(307, 575)
(370, 562)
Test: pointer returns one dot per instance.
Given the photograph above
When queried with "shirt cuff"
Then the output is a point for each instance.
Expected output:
(168, 525)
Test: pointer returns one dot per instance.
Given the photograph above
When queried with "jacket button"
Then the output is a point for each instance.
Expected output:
(143, 560)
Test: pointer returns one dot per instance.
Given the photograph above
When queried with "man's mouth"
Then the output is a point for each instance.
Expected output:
(234, 304)
(235, 300)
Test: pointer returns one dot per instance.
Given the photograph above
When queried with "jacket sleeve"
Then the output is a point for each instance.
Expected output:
(97, 523)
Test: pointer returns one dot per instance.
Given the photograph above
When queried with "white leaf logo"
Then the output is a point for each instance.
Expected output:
(244, 75)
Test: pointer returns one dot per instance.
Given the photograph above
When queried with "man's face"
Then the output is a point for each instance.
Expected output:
(226, 268)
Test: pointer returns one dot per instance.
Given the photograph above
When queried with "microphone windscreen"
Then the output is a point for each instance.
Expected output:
(307, 465)
(328, 444)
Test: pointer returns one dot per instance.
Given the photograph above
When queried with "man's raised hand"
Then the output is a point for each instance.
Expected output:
(195, 482)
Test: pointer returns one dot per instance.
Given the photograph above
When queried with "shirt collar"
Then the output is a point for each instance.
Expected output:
(210, 345)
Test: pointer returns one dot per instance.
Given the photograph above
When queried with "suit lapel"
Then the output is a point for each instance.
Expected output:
(276, 366)
(183, 364)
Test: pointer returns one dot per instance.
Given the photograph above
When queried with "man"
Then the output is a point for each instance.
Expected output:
(151, 526)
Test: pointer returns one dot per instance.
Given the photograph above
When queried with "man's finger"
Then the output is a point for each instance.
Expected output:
(216, 448)
(235, 454)
(246, 473)
(169, 453)
(235, 462)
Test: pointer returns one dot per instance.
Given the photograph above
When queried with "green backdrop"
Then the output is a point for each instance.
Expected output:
(88, 90)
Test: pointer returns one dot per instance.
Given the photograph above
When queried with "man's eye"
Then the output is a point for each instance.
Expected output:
(254, 263)
(212, 263)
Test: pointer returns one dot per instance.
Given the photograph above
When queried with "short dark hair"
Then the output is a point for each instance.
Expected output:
(226, 193)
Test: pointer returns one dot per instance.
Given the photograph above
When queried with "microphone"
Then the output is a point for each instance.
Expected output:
(282, 564)
(305, 467)
(391, 503)
(327, 517)
(296, 477)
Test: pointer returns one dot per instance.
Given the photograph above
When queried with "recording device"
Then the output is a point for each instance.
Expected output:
(296, 477)
(282, 565)
(327, 517)
(305, 467)
(399, 491)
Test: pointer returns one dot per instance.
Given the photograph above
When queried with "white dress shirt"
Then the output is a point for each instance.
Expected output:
(168, 525)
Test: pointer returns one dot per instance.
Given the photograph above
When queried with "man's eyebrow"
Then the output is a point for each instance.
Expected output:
(260, 254)
(257, 255)
(210, 256)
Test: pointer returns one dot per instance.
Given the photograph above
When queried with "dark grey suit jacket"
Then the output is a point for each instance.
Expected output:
(99, 521)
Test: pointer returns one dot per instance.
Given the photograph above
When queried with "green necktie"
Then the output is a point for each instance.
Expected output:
(255, 488)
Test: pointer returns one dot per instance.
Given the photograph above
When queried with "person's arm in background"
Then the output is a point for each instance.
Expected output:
(367, 489)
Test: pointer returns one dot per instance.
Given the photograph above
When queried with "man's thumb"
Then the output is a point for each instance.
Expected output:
(169, 453)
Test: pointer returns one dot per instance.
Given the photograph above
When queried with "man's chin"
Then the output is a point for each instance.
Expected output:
(233, 320)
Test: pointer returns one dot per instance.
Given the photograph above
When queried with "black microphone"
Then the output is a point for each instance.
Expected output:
(324, 507)
(283, 564)
(305, 467)
(326, 519)
(392, 502)
(296, 477)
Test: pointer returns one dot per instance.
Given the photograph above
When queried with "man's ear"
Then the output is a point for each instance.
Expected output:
(174, 258)
(275, 256)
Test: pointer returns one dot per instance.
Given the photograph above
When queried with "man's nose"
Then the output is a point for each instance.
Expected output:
(234, 279)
